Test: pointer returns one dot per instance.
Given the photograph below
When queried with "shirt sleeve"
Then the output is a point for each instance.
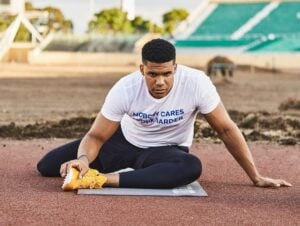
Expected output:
(114, 106)
(207, 97)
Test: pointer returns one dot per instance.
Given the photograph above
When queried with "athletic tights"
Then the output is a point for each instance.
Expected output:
(154, 167)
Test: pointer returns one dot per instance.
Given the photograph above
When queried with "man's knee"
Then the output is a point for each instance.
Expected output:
(193, 167)
(49, 165)
(189, 168)
(42, 168)
(45, 168)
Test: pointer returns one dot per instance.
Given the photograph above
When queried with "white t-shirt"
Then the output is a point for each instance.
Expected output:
(149, 122)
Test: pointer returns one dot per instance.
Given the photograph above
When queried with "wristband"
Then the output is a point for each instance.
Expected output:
(83, 155)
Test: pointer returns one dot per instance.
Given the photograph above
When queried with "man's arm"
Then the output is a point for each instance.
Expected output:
(233, 139)
(101, 130)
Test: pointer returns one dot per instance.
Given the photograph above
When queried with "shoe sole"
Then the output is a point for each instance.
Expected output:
(68, 179)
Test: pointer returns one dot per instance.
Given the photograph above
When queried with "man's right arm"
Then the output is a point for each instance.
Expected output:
(101, 130)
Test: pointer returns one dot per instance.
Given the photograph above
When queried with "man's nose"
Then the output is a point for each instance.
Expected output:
(160, 80)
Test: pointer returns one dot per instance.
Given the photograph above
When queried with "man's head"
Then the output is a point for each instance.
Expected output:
(158, 51)
(158, 66)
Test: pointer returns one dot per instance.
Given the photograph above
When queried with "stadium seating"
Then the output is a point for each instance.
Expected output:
(283, 20)
(277, 31)
(213, 43)
(227, 18)
(278, 45)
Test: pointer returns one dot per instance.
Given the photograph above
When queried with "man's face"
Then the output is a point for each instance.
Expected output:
(159, 77)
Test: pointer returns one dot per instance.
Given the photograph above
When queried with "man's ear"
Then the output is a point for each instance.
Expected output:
(142, 69)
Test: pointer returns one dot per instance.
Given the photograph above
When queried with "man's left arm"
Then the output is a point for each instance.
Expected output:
(233, 139)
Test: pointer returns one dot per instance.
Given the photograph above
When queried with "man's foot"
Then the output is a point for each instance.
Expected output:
(92, 179)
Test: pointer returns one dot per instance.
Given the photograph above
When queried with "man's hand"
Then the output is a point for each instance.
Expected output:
(79, 164)
(221, 122)
(269, 182)
(101, 130)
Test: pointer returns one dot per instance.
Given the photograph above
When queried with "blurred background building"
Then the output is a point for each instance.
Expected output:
(261, 32)
(11, 6)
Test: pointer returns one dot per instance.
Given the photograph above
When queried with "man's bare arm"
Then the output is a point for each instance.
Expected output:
(101, 130)
(233, 139)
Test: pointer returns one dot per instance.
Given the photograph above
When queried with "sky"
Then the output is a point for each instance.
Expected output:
(79, 11)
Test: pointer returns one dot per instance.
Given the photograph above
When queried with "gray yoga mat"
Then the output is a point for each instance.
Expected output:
(193, 189)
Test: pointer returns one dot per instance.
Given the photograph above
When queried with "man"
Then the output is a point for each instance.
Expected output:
(146, 123)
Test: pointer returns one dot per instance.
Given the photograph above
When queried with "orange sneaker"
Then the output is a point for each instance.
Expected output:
(92, 179)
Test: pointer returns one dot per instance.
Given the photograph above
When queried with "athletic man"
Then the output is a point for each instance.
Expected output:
(146, 123)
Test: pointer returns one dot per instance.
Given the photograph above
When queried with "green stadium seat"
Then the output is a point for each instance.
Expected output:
(277, 32)
(283, 20)
(227, 18)
(278, 45)
(212, 43)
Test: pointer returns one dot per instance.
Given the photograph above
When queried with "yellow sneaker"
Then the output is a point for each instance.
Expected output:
(92, 179)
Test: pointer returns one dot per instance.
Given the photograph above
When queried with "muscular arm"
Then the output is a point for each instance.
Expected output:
(237, 146)
(101, 130)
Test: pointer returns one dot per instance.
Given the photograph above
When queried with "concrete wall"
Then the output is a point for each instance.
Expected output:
(19, 55)
(269, 61)
(79, 58)
(18, 52)
(249, 1)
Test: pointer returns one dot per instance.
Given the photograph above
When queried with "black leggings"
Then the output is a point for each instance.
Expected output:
(155, 167)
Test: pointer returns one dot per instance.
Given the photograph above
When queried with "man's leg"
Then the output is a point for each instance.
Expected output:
(162, 167)
(115, 154)
(49, 165)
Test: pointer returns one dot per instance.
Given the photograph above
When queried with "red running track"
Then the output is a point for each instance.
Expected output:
(29, 199)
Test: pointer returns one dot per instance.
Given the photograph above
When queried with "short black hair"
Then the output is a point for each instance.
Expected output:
(158, 51)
